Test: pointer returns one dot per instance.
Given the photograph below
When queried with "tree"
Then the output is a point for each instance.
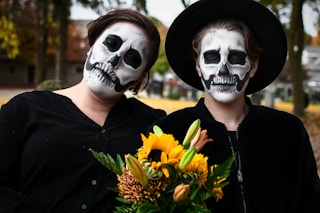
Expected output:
(42, 29)
(41, 39)
(8, 38)
(30, 18)
(295, 48)
(61, 15)
(315, 41)
(161, 64)
(295, 36)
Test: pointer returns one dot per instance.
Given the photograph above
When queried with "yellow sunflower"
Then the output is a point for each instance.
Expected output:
(160, 150)
(198, 167)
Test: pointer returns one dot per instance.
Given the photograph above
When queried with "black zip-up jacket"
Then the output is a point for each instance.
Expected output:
(276, 159)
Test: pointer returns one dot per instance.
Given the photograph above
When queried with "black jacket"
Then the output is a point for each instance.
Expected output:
(277, 161)
(45, 163)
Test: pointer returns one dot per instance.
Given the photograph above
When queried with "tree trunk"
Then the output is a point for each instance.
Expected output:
(295, 48)
(63, 12)
(41, 41)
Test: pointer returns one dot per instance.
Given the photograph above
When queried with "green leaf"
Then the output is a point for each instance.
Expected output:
(224, 169)
(148, 208)
(120, 163)
(194, 192)
(221, 171)
(107, 161)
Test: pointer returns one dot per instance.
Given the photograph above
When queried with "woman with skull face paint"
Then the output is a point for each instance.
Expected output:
(46, 165)
(221, 47)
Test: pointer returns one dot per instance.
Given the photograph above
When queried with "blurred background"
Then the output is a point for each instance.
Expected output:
(43, 46)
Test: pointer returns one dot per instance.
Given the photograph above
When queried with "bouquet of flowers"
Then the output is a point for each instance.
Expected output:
(166, 176)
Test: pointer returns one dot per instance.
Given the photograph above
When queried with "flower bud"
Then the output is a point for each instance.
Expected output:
(200, 139)
(157, 130)
(136, 169)
(181, 192)
(187, 157)
(191, 133)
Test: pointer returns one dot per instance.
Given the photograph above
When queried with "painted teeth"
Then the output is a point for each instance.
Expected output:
(104, 74)
(224, 81)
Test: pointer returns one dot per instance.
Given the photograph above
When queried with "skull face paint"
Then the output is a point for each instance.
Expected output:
(223, 64)
(116, 60)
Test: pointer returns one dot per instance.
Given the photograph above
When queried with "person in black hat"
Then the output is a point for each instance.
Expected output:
(231, 49)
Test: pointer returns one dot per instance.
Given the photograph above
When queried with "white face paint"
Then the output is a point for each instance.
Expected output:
(116, 60)
(224, 64)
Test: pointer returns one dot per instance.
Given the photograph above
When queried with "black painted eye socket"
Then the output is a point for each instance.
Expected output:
(133, 58)
(113, 42)
(212, 57)
(237, 57)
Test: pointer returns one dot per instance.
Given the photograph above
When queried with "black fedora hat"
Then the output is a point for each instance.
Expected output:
(261, 21)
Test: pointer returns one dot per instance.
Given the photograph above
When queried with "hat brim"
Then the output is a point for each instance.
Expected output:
(261, 21)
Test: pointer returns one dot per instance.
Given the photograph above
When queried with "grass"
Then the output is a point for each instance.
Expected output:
(173, 105)
(3, 100)
(311, 120)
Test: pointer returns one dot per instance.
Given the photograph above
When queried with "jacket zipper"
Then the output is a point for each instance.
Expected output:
(239, 173)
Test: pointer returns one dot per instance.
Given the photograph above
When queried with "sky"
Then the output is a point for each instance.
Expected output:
(164, 10)
(167, 10)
